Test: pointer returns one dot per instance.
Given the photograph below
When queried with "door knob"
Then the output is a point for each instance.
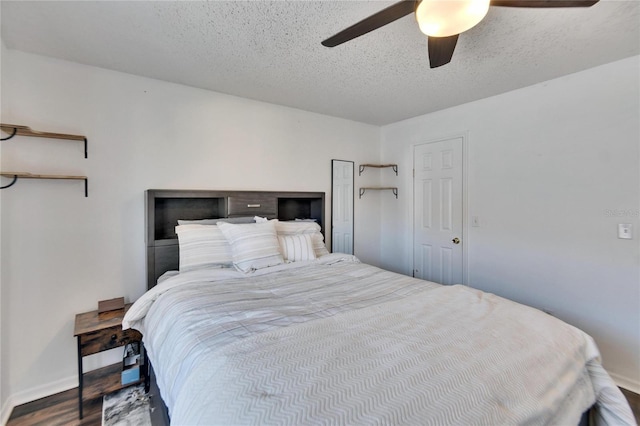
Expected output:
(456, 240)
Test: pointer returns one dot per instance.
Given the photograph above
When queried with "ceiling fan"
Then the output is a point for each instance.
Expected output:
(442, 21)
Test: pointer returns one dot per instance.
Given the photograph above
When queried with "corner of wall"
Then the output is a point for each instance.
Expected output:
(625, 382)
(4, 401)
(7, 407)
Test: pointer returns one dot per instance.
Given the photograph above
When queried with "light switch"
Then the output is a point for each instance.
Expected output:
(475, 221)
(625, 231)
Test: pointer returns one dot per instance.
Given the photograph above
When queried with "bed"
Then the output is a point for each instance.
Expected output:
(322, 338)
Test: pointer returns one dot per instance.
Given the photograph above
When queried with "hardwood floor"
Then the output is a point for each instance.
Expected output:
(634, 402)
(57, 410)
(62, 409)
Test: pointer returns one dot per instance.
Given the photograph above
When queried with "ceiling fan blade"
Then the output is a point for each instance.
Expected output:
(373, 22)
(441, 50)
(543, 3)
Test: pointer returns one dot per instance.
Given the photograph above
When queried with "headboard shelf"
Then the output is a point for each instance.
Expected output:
(164, 207)
(167, 211)
(300, 208)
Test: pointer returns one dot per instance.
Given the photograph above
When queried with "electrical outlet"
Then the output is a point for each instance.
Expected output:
(625, 231)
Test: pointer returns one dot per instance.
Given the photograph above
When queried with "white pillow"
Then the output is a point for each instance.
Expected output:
(303, 227)
(317, 239)
(296, 247)
(203, 246)
(242, 219)
(253, 245)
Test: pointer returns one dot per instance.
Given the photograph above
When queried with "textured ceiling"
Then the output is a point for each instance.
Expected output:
(271, 51)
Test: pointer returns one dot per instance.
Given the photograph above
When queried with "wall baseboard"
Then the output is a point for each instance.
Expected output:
(626, 383)
(35, 393)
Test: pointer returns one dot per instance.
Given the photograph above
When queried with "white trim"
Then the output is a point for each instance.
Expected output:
(465, 208)
(626, 383)
(6, 411)
(35, 393)
(465, 200)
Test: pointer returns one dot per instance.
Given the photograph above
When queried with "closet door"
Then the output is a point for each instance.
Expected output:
(438, 198)
(342, 206)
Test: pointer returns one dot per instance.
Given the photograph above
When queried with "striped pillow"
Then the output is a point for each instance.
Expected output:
(253, 245)
(303, 227)
(203, 246)
(291, 227)
(296, 247)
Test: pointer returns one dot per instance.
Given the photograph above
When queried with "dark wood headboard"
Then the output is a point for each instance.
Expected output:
(165, 206)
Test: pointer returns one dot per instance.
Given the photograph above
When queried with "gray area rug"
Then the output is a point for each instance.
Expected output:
(127, 407)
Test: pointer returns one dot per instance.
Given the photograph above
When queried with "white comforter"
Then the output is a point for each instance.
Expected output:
(335, 341)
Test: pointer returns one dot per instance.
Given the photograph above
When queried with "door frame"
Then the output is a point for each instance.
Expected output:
(465, 200)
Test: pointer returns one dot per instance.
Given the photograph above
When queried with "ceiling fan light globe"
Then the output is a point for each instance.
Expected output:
(444, 18)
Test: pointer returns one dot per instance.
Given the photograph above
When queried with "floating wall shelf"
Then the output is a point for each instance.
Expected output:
(378, 166)
(23, 175)
(16, 130)
(379, 188)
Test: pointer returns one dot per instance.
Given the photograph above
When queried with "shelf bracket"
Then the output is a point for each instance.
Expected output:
(361, 191)
(15, 179)
(15, 130)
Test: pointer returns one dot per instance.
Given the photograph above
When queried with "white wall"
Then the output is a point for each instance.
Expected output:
(547, 165)
(63, 252)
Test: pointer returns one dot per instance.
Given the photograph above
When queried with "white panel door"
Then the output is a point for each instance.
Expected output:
(342, 207)
(438, 241)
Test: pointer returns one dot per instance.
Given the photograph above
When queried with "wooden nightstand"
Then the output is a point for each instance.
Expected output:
(96, 333)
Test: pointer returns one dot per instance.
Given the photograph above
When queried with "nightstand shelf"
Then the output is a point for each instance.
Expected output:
(97, 332)
(104, 381)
